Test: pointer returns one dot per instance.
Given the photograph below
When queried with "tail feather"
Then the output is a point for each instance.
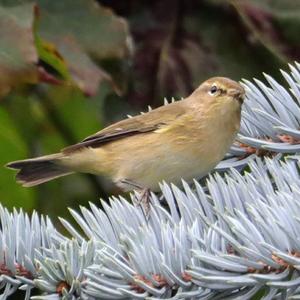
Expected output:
(35, 171)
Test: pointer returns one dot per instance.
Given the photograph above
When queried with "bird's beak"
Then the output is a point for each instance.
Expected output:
(238, 94)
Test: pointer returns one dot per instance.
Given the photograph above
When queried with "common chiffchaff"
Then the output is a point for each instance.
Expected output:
(181, 140)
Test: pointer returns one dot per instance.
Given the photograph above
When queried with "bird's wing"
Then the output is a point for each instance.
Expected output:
(144, 123)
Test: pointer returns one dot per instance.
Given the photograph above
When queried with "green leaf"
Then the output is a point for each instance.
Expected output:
(12, 148)
(99, 32)
(79, 116)
(69, 40)
(18, 55)
(84, 33)
(49, 55)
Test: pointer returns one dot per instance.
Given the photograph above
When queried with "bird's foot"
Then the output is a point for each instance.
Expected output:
(143, 200)
(142, 196)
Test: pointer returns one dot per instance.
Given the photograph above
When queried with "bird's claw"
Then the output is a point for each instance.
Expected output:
(142, 199)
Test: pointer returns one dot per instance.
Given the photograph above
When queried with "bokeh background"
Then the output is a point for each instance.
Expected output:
(68, 68)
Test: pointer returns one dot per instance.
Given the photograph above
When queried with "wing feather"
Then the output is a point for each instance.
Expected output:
(147, 122)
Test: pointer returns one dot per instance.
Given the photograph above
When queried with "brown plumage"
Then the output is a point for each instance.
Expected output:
(184, 139)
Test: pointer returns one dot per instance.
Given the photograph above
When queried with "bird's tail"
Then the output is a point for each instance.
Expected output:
(38, 170)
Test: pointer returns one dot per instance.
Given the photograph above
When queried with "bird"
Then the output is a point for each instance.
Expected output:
(179, 141)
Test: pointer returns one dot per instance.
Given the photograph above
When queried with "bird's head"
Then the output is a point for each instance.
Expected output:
(221, 91)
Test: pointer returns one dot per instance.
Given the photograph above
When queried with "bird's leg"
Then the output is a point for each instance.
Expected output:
(143, 200)
(142, 197)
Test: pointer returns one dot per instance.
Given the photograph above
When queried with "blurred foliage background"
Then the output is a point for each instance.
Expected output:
(70, 67)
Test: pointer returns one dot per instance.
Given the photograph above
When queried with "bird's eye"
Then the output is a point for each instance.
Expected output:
(213, 90)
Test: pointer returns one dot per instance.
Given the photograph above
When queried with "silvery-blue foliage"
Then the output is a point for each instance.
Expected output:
(240, 238)
(20, 237)
(233, 238)
(270, 119)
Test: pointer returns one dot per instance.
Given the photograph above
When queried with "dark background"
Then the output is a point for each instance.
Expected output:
(68, 68)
